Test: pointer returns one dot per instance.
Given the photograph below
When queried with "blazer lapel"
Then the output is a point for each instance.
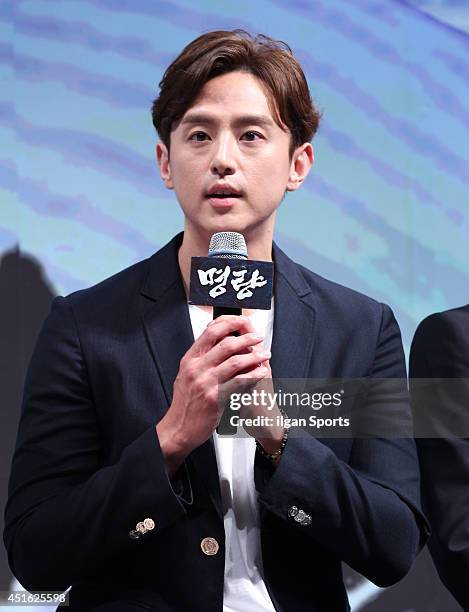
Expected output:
(292, 339)
(294, 320)
(166, 319)
(169, 334)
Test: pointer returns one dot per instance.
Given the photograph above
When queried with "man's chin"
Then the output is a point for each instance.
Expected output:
(206, 227)
(227, 225)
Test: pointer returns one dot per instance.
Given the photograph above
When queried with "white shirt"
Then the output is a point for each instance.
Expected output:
(244, 587)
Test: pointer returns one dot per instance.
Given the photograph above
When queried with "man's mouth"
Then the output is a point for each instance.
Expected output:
(223, 195)
(223, 199)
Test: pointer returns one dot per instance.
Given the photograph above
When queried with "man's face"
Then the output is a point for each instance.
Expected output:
(228, 140)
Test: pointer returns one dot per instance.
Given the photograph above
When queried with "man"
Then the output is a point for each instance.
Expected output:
(440, 350)
(120, 485)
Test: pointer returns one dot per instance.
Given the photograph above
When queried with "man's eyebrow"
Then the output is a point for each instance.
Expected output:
(240, 121)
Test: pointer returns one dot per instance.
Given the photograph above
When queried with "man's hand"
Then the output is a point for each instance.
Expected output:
(215, 358)
(269, 436)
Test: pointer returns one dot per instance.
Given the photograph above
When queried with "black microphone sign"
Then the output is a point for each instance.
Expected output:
(231, 282)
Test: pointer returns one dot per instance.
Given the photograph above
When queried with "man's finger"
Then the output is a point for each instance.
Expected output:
(220, 328)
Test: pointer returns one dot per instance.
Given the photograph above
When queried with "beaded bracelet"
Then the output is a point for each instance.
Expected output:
(274, 457)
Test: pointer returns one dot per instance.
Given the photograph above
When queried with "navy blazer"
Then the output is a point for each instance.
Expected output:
(88, 466)
(440, 349)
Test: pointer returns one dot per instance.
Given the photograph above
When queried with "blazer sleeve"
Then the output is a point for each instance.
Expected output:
(66, 512)
(441, 350)
(365, 511)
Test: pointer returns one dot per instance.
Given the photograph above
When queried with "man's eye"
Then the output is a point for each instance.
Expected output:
(196, 135)
(252, 134)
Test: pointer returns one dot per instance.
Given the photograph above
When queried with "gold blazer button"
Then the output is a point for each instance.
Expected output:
(209, 546)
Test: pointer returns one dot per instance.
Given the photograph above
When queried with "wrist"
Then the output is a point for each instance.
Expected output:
(272, 444)
(271, 448)
(172, 446)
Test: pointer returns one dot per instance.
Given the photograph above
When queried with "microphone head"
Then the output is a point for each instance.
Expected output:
(228, 245)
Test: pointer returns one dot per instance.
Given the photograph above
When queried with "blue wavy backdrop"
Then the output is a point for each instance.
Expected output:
(384, 211)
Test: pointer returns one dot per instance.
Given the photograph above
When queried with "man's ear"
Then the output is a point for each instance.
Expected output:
(302, 160)
(162, 158)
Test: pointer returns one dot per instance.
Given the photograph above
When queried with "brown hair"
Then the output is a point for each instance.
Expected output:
(219, 52)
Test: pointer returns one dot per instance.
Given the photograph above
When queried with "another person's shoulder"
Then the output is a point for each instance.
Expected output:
(440, 346)
(439, 325)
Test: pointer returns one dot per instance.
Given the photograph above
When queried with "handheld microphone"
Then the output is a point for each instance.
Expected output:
(227, 280)
(227, 245)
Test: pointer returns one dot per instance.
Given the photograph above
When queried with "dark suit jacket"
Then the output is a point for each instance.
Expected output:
(88, 465)
(440, 349)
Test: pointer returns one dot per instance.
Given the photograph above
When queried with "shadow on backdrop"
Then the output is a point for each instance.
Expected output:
(25, 298)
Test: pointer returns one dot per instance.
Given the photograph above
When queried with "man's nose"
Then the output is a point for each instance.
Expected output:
(223, 161)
